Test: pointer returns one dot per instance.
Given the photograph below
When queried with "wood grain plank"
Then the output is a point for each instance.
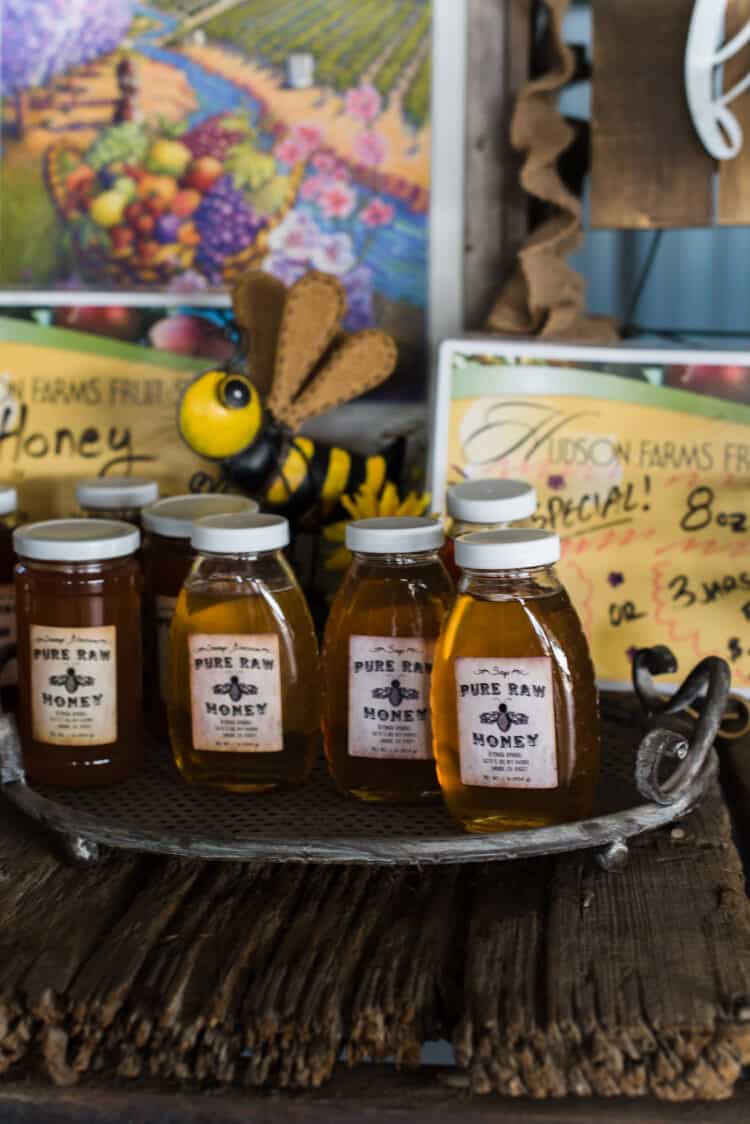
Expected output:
(649, 168)
(369, 1092)
(608, 985)
(496, 219)
(734, 175)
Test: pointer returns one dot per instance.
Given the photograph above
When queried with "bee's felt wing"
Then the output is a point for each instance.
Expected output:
(258, 302)
(488, 716)
(519, 719)
(313, 310)
(222, 688)
(409, 692)
(361, 362)
(57, 680)
(85, 680)
(381, 692)
(245, 690)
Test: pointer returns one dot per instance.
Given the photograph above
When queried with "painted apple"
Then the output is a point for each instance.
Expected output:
(109, 320)
(190, 335)
(203, 173)
(722, 381)
(163, 188)
(186, 201)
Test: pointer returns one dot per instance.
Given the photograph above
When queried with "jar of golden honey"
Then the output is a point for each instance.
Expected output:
(8, 663)
(78, 593)
(377, 659)
(116, 497)
(485, 505)
(514, 702)
(244, 690)
(166, 557)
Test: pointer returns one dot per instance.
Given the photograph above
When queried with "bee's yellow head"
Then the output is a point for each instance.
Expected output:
(220, 414)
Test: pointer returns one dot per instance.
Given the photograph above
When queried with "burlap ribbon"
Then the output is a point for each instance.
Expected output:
(544, 296)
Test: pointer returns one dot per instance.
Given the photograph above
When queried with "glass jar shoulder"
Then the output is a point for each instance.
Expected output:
(371, 584)
(512, 624)
(242, 596)
(66, 579)
(224, 576)
(374, 601)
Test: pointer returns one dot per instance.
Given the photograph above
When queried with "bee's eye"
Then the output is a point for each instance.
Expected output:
(235, 392)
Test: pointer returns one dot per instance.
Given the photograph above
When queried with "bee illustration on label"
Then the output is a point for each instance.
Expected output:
(504, 718)
(71, 680)
(299, 364)
(235, 689)
(395, 693)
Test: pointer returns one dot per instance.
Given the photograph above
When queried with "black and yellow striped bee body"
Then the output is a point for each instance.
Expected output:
(221, 417)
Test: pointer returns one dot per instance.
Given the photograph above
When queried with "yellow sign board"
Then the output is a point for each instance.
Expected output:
(647, 486)
(74, 405)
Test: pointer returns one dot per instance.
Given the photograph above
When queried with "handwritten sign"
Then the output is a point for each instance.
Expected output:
(647, 486)
(74, 405)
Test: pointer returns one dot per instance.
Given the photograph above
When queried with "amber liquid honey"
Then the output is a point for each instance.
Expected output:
(404, 598)
(82, 603)
(503, 631)
(278, 617)
(8, 668)
(166, 563)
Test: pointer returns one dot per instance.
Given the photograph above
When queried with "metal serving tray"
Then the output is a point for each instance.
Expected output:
(156, 811)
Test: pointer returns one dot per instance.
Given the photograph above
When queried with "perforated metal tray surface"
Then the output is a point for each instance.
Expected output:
(156, 811)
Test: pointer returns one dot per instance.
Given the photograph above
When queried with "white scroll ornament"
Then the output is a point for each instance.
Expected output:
(714, 122)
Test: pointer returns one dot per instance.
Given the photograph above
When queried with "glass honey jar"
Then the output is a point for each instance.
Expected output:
(8, 664)
(166, 558)
(116, 497)
(485, 505)
(377, 659)
(514, 702)
(78, 594)
(244, 690)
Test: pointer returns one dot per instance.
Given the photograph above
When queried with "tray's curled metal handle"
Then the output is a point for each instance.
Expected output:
(712, 676)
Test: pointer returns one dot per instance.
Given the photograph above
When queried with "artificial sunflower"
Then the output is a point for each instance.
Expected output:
(368, 504)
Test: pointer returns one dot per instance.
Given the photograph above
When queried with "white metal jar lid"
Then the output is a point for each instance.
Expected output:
(107, 492)
(173, 516)
(76, 540)
(240, 533)
(395, 534)
(491, 501)
(507, 550)
(8, 499)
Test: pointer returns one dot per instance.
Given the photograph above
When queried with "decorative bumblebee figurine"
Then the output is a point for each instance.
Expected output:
(300, 364)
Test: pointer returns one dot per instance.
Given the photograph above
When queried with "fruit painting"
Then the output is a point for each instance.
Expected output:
(169, 146)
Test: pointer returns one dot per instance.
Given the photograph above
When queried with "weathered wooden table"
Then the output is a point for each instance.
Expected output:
(163, 989)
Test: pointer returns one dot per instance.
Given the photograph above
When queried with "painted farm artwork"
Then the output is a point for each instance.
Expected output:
(168, 146)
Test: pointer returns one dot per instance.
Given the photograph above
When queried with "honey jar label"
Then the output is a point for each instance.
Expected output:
(73, 685)
(506, 722)
(9, 671)
(165, 607)
(235, 693)
(389, 697)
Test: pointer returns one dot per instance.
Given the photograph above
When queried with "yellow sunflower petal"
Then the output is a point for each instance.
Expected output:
(411, 505)
(338, 560)
(389, 500)
(335, 532)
